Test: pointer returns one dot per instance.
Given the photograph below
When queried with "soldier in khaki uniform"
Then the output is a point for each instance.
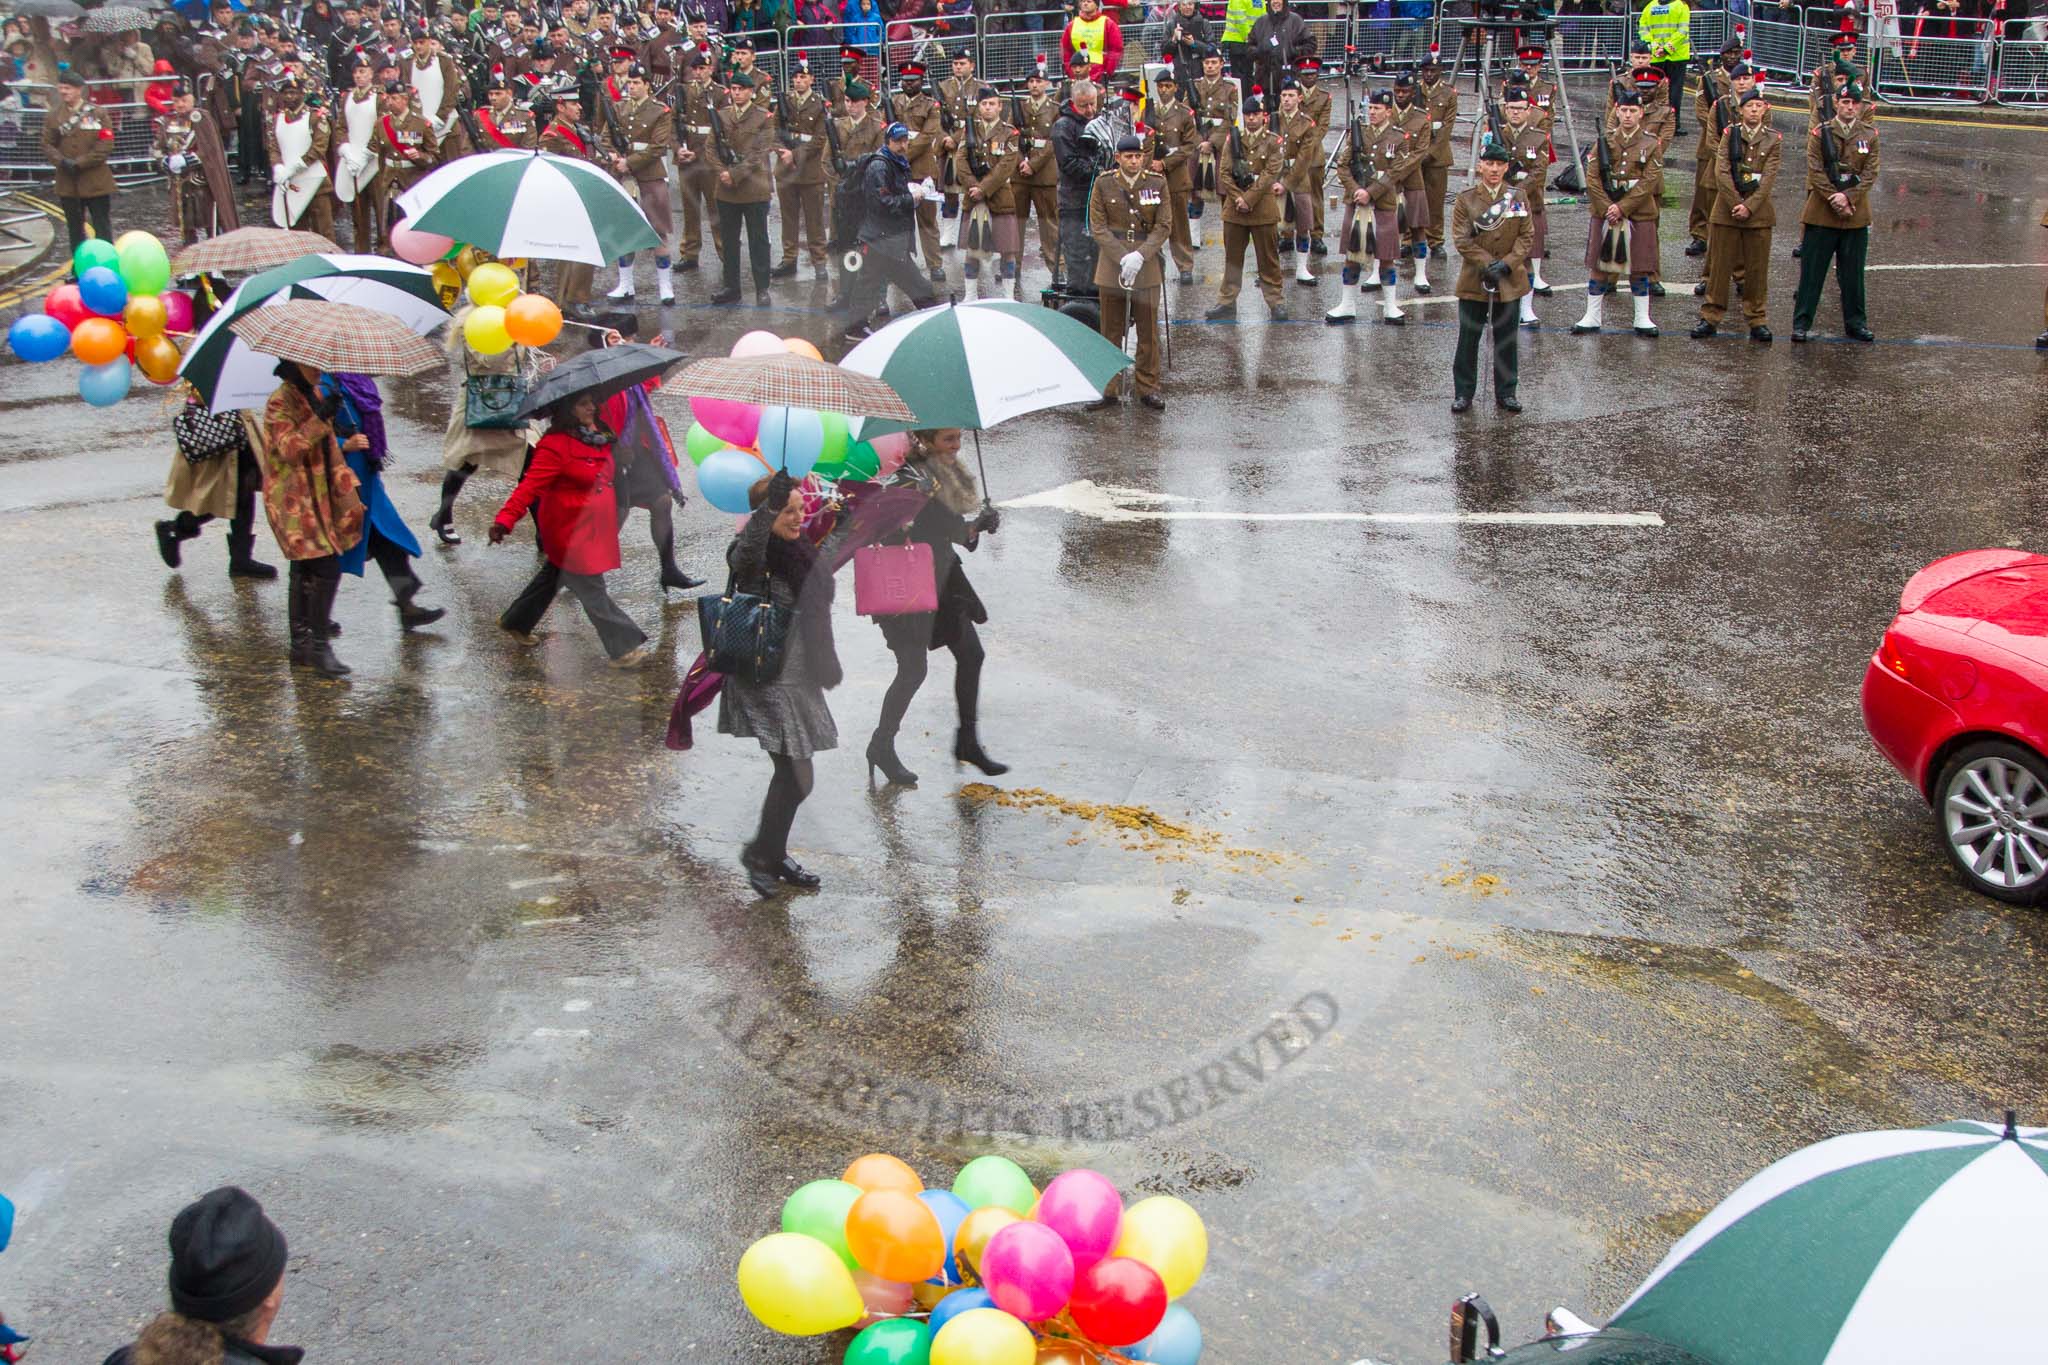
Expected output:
(76, 140)
(405, 149)
(919, 112)
(1377, 159)
(1302, 146)
(1624, 187)
(566, 136)
(506, 126)
(295, 138)
(1440, 98)
(800, 171)
(1529, 75)
(1745, 172)
(955, 94)
(1718, 85)
(1528, 167)
(1715, 121)
(1317, 104)
(696, 154)
(1128, 209)
(1216, 102)
(1038, 173)
(1251, 191)
(745, 184)
(641, 140)
(1412, 115)
(1490, 225)
(1653, 90)
(1170, 142)
(985, 168)
(1841, 167)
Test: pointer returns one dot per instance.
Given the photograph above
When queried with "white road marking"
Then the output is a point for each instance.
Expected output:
(527, 882)
(1964, 265)
(561, 1033)
(575, 1006)
(1085, 497)
(545, 923)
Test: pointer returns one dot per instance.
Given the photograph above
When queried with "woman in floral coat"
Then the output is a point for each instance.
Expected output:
(315, 510)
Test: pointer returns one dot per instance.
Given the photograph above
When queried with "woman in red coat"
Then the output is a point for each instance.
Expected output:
(570, 477)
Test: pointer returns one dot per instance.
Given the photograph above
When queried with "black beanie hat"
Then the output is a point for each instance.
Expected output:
(226, 1256)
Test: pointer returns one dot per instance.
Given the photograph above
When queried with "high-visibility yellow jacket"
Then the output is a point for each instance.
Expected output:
(1666, 25)
(1238, 18)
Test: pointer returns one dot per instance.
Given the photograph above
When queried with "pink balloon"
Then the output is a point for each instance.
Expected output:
(177, 310)
(1086, 1211)
(756, 343)
(890, 452)
(883, 1298)
(420, 248)
(732, 422)
(1028, 1270)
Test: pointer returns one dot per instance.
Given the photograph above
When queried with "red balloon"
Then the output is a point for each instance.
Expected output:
(63, 304)
(1118, 1301)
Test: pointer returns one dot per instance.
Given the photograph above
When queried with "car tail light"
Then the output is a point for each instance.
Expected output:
(1943, 675)
(1888, 654)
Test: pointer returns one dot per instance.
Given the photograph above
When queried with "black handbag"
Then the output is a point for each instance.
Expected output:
(745, 634)
(490, 402)
(203, 435)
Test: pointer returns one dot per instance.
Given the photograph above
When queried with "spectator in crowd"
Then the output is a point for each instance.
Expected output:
(1279, 40)
(1181, 37)
(861, 25)
(817, 24)
(226, 1282)
(1092, 45)
(1411, 29)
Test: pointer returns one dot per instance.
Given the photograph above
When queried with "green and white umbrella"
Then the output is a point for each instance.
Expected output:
(976, 364)
(1904, 1247)
(229, 373)
(518, 203)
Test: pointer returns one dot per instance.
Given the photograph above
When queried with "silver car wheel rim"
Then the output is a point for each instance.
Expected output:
(1996, 813)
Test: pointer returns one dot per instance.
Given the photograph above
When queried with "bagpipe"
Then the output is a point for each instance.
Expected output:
(978, 233)
(1613, 257)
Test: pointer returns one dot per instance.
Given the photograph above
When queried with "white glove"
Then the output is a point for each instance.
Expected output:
(1129, 267)
(931, 191)
(176, 161)
(277, 172)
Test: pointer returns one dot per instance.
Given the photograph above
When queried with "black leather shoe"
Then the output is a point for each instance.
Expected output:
(785, 271)
(725, 296)
(1699, 291)
(760, 875)
(1862, 334)
(1762, 334)
(938, 274)
(1221, 312)
(1702, 330)
(688, 263)
(1695, 247)
(2041, 341)
(1798, 334)
(1319, 248)
(795, 874)
(1282, 315)
(1461, 403)
(680, 581)
(1542, 291)
(1656, 289)
(1153, 401)
(1187, 277)
(860, 331)
(167, 543)
(761, 299)
(1102, 404)
(1508, 404)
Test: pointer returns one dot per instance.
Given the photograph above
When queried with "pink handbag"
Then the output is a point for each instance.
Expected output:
(894, 580)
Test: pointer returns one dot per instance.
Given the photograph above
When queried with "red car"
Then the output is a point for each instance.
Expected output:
(1957, 698)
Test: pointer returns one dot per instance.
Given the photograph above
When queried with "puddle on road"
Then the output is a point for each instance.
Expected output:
(1139, 828)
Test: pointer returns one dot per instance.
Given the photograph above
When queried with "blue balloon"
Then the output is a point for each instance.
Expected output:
(951, 1211)
(38, 336)
(956, 1303)
(791, 439)
(724, 478)
(1176, 1341)
(102, 291)
(105, 385)
(6, 1221)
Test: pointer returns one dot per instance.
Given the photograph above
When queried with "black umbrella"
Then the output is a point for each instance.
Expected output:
(600, 374)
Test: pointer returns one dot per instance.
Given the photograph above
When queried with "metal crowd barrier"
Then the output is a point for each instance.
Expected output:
(2023, 73)
(1945, 70)
(23, 113)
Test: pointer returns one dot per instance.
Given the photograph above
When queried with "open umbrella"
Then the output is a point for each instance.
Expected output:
(249, 248)
(792, 381)
(517, 203)
(46, 9)
(230, 373)
(337, 338)
(115, 19)
(601, 374)
(1904, 1246)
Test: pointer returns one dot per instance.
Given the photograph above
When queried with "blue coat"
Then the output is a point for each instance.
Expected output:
(382, 517)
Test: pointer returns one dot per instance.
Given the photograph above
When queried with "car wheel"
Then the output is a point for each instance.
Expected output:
(1991, 807)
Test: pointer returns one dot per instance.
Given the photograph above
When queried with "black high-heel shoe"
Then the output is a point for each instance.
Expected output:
(442, 524)
(761, 876)
(882, 754)
(672, 577)
(796, 874)
(967, 749)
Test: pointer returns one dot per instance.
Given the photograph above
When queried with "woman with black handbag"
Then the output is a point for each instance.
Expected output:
(954, 515)
(775, 692)
(483, 432)
(213, 474)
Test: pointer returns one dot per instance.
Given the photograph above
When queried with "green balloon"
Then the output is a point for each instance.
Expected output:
(861, 463)
(92, 252)
(837, 439)
(699, 444)
(819, 1210)
(894, 1341)
(998, 1181)
(145, 269)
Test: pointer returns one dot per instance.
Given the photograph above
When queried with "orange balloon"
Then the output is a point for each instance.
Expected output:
(970, 1239)
(98, 340)
(533, 320)
(896, 1236)
(157, 357)
(799, 346)
(1065, 1353)
(146, 316)
(880, 1171)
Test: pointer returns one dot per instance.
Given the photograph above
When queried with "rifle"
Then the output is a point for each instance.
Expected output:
(832, 141)
(1240, 173)
(726, 155)
(976, 161)
(467, 119)
(620, 142)
(783, 133)
(1830, 157)
(1023, 126)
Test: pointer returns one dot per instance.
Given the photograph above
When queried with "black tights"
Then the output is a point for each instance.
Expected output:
(786, 791)
(911, 668)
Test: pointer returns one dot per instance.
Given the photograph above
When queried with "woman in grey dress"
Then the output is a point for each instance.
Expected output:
(788, 715)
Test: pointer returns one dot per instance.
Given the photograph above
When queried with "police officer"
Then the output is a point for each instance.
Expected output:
(1624, 187)
(1128, 216)
(1377, 159)
(1490, 225)
(1841, 167)
(1666, 27)
(1251, 189)
(1745, 170)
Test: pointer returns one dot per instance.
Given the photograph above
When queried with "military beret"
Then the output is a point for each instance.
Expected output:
(1639, 48)
(1382, 97)
(1166, 77)
(1403, 80)
(1740, 70)
(1493, 149)
(1432, 62)
(965, 52)
(1628, 97)
(855, 90)
(70, 77)
(743, 44)
(1732, 45)
(1130, 142)
(1254, 104)
(636, 72)
(1750, 95)
(542, 52)
(747, 79)
(1854, 91)
(497, 81)
(180, 89)
(984, 92)
(1288, 83)
(1513, 92)
(1211, 50)
(395, 87)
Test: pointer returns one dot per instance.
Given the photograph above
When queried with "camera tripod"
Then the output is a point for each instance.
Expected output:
(1483, 37)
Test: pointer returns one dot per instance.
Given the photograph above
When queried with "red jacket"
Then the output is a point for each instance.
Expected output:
(579, 523)
(1112, 49)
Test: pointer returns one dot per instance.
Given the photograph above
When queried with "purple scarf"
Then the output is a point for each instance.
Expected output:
(369, 406)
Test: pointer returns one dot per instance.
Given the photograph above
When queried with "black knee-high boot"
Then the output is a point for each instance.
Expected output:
(317, 609)
(661, 529)
(442, 523)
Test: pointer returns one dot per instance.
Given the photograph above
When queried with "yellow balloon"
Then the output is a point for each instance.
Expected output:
(1167, 1235)
(484, 330)
(798, 1286)
(145, 316)
(493, 284)
(984, 1336)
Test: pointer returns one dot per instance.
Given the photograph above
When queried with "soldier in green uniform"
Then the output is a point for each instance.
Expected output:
(1171, 138)
(1841, 167)
(1377, 159)
(1490, 225)
(745, 183)
(1251, 189)
(800, 171)
(76, 140)
(1128, 212)
(1745, 172)
(1624, 188)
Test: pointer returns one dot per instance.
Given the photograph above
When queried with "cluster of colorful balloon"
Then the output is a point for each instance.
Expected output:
(734, 444)
(990, 1272)
(504, 315)
(116, 319)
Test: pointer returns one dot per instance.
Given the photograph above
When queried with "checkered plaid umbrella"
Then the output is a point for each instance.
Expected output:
(337, 337)
(792, 381)
(115, 19)
(249, 248)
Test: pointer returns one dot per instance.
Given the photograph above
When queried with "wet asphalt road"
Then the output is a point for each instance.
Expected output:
(1525, 887)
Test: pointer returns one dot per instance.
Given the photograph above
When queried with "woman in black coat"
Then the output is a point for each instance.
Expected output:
(953, 516)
